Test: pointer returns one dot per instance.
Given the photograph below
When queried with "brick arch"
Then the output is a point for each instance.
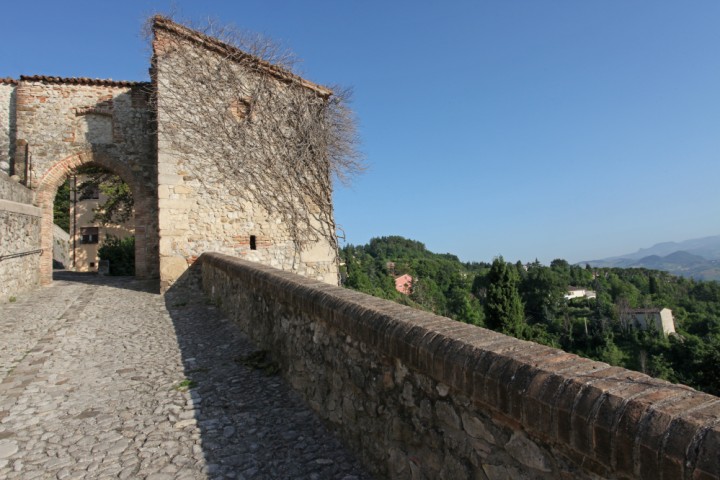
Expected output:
(146, 256)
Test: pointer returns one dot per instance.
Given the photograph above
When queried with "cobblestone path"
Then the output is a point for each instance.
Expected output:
(99, 378)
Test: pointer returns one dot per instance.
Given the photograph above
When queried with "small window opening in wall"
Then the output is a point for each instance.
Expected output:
(253, 242)
(89, 235)
(92, 192)
(92, 264)
(241, 108)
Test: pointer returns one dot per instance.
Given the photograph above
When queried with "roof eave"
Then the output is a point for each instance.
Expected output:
(213, 44)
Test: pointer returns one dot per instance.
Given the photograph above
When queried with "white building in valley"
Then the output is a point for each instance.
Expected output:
(579, 292)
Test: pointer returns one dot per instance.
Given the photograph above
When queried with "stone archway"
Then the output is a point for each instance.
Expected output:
(146, 236)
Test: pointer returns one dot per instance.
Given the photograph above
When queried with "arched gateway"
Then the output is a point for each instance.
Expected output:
(144, 196)
(50, 126)
(63, 123)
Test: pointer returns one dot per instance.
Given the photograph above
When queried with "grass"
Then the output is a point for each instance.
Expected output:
(185, 385)
(12, 299)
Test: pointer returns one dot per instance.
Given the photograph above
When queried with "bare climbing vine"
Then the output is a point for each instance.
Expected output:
(279, 140)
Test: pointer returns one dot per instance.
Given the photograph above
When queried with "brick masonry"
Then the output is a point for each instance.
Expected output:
(422, 396)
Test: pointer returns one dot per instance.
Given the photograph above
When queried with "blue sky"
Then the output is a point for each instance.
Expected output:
(530, 129)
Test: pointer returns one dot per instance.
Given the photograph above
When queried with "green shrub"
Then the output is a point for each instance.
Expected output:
(120, 252)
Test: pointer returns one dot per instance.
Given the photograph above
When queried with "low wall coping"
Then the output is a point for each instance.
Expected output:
(624, 420)
(21, 208)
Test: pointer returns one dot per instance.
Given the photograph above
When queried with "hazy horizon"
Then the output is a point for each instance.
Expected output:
(547, 261)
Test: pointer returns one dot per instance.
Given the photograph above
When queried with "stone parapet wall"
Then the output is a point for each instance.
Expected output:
(13, 191)
(19, 239)
(422, 397)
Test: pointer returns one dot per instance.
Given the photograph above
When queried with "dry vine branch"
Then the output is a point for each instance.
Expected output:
(280, 141)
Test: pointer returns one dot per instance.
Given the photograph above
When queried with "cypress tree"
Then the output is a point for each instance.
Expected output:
(503, 308)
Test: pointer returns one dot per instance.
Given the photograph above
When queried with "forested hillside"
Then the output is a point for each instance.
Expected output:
(527, 301)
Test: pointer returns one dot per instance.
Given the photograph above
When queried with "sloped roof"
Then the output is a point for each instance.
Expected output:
(215, 45)
(645, 310)
(80, 81)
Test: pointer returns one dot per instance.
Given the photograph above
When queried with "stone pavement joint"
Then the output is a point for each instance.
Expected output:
(100, 378)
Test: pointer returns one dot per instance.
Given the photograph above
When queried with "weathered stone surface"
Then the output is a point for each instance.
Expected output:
(7, 125)
(62, 124)
(19, 234)
(50, 126)
(8, 448)
(527, 452)
(195, 216)
(446, 415)
(503, 472)
(101, 379)
(399, 364)
(476, 428)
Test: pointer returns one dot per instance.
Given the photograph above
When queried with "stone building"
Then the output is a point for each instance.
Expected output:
(579, 292)
(59, 124)
(649, 318)
(49, 126)
(86, 233)
(199, 208)
(403, 284)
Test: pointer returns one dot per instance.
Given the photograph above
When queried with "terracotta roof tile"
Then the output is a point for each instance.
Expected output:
(213, 44)
(80, 81)
(8, 81)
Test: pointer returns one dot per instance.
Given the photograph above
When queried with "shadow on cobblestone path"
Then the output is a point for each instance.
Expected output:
(102, 378)
(252, 424)
(92, 278)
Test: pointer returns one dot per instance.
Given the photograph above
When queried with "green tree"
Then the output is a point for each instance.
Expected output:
(118, 205)
(503, 308)
(460, 303)
(120, 252)
(61, 206)
(587, 326)
(542, 291)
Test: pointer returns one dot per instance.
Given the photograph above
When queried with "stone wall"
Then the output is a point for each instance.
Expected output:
(61, 248)
(423, 397)
(201, 208)
(19, 239)
(64, 123)
(13, 191)
(59, 118)
(7, 123)
(50, 126)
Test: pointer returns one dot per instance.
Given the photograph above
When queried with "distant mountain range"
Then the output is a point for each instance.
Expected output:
(698, 258)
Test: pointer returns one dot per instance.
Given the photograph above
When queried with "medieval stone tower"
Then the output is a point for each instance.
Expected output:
(184, 205)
